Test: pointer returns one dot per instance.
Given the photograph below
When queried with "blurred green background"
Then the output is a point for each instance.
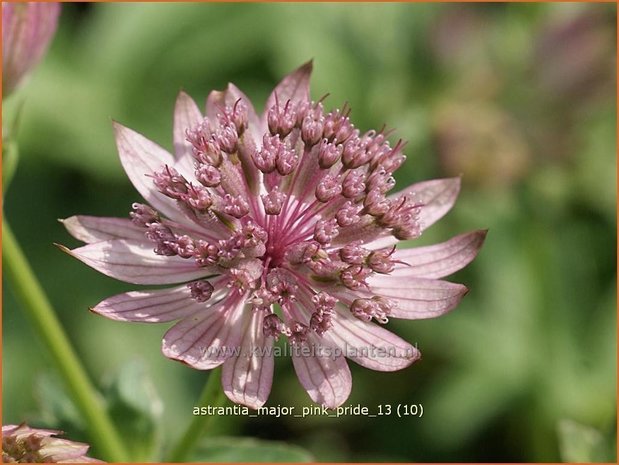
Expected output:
(518, 98)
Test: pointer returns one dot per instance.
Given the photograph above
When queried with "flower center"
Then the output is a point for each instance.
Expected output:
(284, 216)
(274, 255)
(22, 450)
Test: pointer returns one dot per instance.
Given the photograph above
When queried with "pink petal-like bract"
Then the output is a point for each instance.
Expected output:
(279, 224)
(22, 444)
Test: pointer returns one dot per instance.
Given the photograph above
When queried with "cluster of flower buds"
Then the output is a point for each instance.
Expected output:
(377, 307)
(248, 242)
(320, 182)
(281, 288)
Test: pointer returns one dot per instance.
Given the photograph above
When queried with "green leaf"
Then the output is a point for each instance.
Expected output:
(582, 443)
(230, 449)
(56, 409)
(136, 408)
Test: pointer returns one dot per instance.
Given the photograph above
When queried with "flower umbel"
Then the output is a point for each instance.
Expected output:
(22, 444)
(275, 225)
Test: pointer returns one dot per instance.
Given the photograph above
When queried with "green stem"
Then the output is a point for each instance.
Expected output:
(9, 163)
(200, 425)
(36, 305)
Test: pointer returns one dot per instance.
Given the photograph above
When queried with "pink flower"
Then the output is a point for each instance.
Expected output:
(27, 30)
(271, 225)
(22, 444)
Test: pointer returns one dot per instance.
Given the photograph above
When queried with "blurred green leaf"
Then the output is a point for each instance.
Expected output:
(136, 408)
(229, 449)
(595, 180)
(56, 409)
(581, 443)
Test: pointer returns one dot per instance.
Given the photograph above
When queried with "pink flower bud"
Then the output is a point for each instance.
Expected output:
(206, 254)
(273, 201)
(235, 206)
(297, 333)
(353, 184)
(201, 291)
(272, 326)
(353, 253)
(142, 215)
(170, 183)
(208, 175)
(27, 30)
(281, 120)
(328, 187)
(286, 161)
(348, 214)
(311, 130)
(325, 231)
(329, 154)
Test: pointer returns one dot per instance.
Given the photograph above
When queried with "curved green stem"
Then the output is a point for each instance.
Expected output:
(201, 425)
(36, 305)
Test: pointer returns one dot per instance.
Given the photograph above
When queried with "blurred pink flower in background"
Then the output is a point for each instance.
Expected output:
(22, 444)
(27, 30)
(571, 54)
(270, 225)
(490, 148)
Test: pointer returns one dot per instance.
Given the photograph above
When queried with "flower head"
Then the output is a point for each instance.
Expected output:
(279, 225)
(27, 30)
(22, 444)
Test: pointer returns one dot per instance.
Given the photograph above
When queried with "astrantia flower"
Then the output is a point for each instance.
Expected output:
(22, 444)
(275, 225)
(27, 29)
